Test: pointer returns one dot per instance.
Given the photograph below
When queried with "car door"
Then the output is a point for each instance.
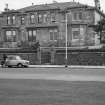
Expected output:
(14, 61)
(11, 61)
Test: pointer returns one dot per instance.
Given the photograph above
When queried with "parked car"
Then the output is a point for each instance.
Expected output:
(16, 61)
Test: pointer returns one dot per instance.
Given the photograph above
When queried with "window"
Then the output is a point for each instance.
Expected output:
(34, 33)
(31, 35)
(80, 16)
(77, 16)
(8, 20)
(75, 34)
(53, 17)
(13, 20)
(22, 20)
(32, 19)
(11, 36)
(40, 18)
(45, 18)
(53, 35)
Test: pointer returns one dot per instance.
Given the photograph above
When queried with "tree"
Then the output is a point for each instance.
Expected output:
(27, 45)
(100, 27)
(35, 45)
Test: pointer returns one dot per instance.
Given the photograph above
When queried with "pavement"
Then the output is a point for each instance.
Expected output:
(75, 73)
(68, 66)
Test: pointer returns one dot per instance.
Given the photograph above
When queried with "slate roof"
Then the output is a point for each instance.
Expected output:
(53, 6)
(61, 6)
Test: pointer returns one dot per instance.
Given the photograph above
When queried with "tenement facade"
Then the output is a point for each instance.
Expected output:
(50, 24)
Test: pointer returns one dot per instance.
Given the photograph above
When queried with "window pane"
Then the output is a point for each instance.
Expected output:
(14, 33)
(53, 17)
(40, 18)
(80, 16)
(22, 20)
(75, 33)
(8, 33)
(32, 17)
(13, 36)
(8, 20)
(55, 35)
(30, 35)
(13, 19)
(75, 16)
(45, 18)
(34, 35)
(51, 35)
(8, 36)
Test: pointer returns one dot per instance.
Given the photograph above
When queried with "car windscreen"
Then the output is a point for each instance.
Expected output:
(18, 58)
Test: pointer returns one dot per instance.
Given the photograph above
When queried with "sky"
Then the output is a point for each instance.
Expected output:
(16, 4)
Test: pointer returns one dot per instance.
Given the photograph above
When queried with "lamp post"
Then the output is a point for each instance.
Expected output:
(66, 60)
(66, 39)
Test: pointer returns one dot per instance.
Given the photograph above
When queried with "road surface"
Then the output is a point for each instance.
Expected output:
(52, 86)
(66, 74)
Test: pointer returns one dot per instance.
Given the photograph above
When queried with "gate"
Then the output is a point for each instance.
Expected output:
(45, 58)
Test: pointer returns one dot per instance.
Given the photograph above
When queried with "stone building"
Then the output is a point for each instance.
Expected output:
(49, 24)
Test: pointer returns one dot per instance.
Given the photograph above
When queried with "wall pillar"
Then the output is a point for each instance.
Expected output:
(39, 56)
(52, 55)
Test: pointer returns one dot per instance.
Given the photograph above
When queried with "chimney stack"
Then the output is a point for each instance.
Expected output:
(97, 4)
(6, 8)
(32, 4)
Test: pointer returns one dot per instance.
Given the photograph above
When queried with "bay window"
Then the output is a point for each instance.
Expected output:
(78, 33)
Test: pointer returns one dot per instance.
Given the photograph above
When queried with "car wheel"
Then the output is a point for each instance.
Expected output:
(19, 65)
(26, 66)
(9, 66)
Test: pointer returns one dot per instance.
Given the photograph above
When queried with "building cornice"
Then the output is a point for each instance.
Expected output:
(9, 27)
(42, 26)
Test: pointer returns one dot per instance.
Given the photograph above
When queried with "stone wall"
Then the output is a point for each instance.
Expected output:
(81, 58)
(58, 57)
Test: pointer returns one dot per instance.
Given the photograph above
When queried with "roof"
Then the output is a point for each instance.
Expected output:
(57, 5)
(62, 6)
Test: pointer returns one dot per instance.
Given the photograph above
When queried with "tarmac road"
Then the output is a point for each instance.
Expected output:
(66, 74)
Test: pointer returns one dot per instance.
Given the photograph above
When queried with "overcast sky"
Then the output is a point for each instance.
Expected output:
(16, 4)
